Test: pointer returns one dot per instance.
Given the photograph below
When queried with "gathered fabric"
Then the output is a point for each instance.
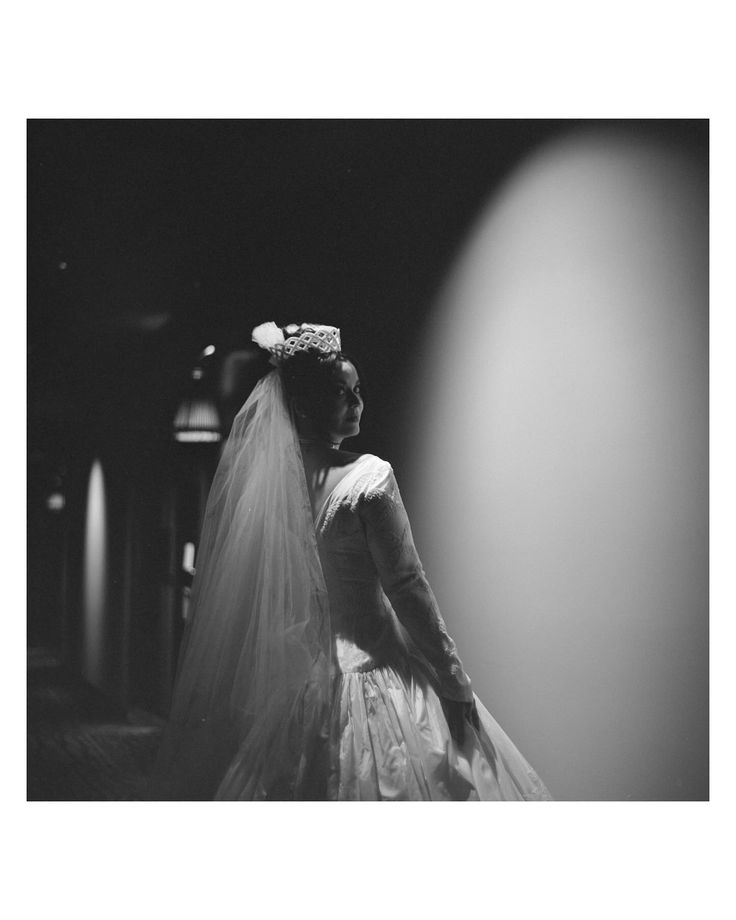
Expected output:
(386, 737)
(391, 742)
(315, 659)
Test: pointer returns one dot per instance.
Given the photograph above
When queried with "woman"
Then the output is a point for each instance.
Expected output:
(316, 663)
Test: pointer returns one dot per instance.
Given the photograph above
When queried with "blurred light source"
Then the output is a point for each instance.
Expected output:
(197, 419)
(95, 577)
(187, 565)
(55, 502)
(187, 562)
(568, 539)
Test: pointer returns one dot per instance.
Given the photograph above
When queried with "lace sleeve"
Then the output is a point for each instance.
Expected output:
(403, 579)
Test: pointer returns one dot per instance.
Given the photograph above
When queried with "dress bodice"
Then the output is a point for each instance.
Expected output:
(381, 605)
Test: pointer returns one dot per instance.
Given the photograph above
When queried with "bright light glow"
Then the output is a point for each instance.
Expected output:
(209, 350)
(187, 562)
(197, 419)
(558, 484)
(95, 577)
(198, 436)
(55, 502)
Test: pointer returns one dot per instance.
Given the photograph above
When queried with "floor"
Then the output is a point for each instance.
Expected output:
(80, 748)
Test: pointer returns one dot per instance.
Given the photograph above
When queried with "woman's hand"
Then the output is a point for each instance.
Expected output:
(457, 713)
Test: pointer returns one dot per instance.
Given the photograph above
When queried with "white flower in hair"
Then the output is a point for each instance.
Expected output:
(268, 336)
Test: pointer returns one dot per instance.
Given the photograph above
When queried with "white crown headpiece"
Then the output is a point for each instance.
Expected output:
(301, 337)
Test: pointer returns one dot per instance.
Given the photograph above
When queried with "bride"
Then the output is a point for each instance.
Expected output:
(316, 664)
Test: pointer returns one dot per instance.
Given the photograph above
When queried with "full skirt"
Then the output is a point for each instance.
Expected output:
(390, 741)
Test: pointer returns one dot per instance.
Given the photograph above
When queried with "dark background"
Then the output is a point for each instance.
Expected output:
(150, 239)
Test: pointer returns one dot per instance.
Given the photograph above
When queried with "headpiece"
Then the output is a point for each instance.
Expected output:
(299, 337)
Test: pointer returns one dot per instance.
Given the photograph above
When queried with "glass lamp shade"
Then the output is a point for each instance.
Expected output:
(197, 420)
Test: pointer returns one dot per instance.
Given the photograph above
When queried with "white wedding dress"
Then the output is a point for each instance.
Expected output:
(387, 737)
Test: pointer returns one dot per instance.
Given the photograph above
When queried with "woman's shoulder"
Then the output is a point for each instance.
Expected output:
(365, 472)
(369, 462)
(375, 476)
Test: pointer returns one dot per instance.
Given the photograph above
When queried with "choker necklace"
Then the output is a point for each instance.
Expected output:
(333, 445)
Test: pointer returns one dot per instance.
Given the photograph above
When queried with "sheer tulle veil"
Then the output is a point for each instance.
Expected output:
(255, 666)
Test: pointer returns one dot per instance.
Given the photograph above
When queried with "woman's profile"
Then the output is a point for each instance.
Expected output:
(316, 663)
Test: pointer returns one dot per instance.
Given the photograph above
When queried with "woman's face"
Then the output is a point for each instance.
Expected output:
(343, 405)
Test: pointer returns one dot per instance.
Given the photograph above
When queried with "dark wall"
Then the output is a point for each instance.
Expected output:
(147, 241)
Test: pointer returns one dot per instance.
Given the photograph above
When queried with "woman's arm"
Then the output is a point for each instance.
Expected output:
(403, 579)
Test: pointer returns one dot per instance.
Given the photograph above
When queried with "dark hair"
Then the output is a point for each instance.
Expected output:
(307, 377)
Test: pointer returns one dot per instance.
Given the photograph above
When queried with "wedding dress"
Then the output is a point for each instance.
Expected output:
(387, 737)
(315, 656)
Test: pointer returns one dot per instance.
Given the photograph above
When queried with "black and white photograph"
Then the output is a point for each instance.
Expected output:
(370, 544)
(368, 460)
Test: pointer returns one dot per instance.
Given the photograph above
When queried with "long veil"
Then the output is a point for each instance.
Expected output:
(251, 697)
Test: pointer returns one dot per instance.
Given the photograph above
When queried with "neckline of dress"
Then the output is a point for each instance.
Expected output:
(332, 491)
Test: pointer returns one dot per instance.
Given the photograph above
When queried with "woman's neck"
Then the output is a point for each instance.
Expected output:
(311, 439)
(318, 444)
